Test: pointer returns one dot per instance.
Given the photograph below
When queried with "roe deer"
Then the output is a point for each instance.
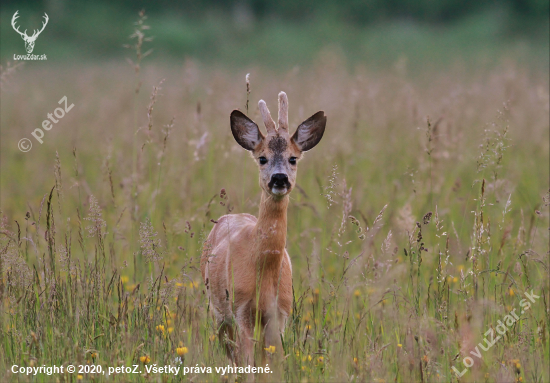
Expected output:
(244, 264)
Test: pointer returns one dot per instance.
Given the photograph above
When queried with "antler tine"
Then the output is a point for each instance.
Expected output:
(283, 112)
(44, 23)
(268, 121)
(15, 17)
(46, 19)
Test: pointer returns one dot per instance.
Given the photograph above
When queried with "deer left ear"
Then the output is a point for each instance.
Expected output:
(310, 132)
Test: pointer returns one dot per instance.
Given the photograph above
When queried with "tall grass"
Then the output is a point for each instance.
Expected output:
(410, 236)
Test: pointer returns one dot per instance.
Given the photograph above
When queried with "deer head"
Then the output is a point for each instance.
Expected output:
(29, 40)
(277, 153)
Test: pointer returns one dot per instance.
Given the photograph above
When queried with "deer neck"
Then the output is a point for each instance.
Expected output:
(271, 231)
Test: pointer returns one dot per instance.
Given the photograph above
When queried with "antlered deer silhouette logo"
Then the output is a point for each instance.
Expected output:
(29, 40)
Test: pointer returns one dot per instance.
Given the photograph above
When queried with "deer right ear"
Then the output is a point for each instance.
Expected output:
(245, 131)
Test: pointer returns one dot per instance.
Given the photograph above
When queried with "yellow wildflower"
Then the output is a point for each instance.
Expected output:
(270, 349)
(182, 351)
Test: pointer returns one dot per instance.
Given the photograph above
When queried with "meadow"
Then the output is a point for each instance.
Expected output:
(418, 223)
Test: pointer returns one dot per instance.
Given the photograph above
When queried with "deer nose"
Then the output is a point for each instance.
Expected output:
(279, 180)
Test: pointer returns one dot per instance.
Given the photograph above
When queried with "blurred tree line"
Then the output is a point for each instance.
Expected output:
(287, 32)
(359, 12)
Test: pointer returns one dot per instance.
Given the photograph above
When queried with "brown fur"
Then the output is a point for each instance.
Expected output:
(245, 265)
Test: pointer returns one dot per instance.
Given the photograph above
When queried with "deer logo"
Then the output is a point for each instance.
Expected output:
(29, 40)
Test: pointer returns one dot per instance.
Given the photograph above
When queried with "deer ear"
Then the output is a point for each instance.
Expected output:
(310, 132)
(245, 131)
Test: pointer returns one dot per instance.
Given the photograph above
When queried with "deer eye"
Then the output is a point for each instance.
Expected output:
(292, 160)
(263, 160)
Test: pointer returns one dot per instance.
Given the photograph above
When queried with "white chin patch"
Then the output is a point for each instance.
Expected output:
(278, 191)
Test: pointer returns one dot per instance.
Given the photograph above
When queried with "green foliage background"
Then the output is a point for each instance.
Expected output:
(280, 34)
